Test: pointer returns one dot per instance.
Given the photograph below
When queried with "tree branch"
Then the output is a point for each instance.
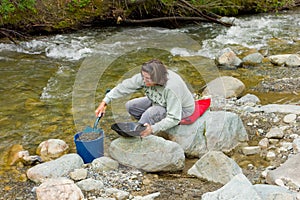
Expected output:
(159, 19)
(200, 13)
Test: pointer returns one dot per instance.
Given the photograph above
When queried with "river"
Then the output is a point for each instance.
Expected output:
(51, 85)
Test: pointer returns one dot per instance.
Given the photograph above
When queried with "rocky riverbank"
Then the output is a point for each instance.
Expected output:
(273, 140)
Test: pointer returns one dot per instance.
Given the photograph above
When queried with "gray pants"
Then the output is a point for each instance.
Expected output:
(142, 110)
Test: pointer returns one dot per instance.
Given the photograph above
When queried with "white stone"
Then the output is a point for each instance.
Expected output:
(251, 150)
(271, 155)
(79, 174)
(264, 173)
(290, 118)
(275, 133)
(279, 182)
(296, 145)
(264, 143)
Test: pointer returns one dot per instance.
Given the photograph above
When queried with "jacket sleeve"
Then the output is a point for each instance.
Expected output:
(126, 87)
(173, 116)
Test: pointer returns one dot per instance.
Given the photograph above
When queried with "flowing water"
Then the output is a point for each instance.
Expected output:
(51, 85)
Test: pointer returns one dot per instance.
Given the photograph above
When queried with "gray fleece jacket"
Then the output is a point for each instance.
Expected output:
(174, 96)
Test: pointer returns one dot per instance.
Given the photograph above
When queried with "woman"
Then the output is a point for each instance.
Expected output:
(167, 100)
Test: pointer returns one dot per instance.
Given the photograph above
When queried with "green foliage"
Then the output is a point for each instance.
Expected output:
(234, 7)
(74, 4)
(8, 7)
(272, 5)
(26, 4)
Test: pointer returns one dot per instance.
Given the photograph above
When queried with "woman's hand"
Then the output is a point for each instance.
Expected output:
(101, 109)
(147, 131)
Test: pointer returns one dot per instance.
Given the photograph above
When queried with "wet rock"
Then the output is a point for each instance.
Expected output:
(229, 20)
(290, 60)
(225, 86)
(151, 154)
(55, 168)
(52, 149)
(59, 189)
(253, 59)
(293, 61)
(228, 59)
(13, 154)
(215, 166)
(251, 150)
(279, 59)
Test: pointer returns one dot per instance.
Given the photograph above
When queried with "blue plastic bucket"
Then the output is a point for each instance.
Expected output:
(91, 149)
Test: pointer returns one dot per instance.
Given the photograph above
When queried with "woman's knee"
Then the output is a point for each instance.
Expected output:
(153, 115)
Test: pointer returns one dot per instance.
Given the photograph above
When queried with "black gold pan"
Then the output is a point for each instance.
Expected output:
(128, 129)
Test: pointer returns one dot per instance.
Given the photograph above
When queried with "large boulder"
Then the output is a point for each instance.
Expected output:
(59, 189)
(56, 168)
(224, 86)
(215, 166)
(151, 154)
(214, 130)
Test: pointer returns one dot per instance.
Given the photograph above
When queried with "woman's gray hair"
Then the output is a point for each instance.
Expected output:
(157, 71)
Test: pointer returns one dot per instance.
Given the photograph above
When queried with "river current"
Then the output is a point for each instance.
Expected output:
(51, 85)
